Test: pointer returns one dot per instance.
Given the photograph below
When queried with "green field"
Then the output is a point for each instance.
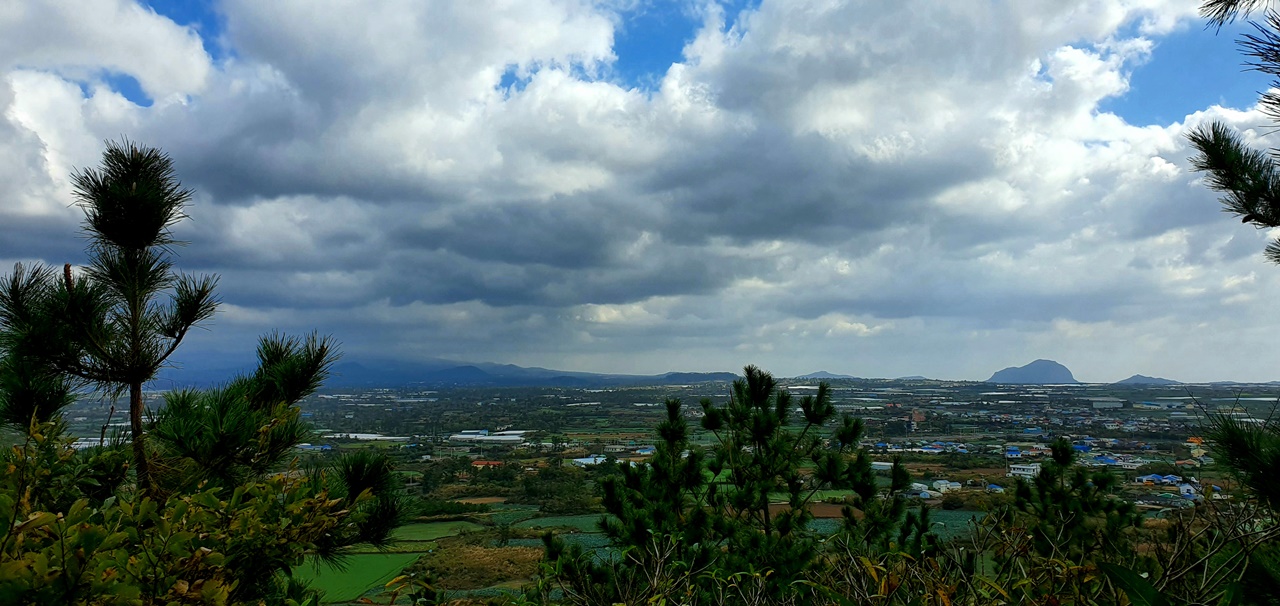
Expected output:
(364, 571)
(583, 523)
(430, 531)
(510, 514)
(372, 570)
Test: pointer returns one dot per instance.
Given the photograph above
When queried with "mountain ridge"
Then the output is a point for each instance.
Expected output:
(1039, 372)
(1145, 380)
(822, 374)
(443, 373)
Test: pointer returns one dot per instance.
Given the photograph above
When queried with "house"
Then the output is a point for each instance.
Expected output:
(945, 486)
(590, 460)
(481, 464)
(994, 489)
(1024, 470)
(1155, 478)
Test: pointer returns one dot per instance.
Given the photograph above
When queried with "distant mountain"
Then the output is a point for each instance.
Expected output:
(1038, 372)
(822, 374)
(447, 373)
(685, 378)
(1145, 380)
(912, 378)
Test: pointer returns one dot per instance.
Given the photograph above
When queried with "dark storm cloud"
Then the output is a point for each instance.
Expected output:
(772, 186)
(567, 234)
(814, 178)
(51, 238)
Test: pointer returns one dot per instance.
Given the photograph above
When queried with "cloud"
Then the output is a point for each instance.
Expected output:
(872, 188)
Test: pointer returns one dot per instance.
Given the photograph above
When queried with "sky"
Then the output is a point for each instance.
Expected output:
(637, 186)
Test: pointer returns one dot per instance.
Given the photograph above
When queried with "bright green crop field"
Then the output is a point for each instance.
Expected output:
(372, 570)
(430, 531)
(364, 571)
(581, 523)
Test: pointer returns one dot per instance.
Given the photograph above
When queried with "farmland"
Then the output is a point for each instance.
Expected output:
(483, 507)
(368, 571)
(363, 572)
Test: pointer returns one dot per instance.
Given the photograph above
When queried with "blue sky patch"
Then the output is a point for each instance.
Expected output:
(1188, 71)
(653, 36)
(649, 40)
(200, 15)
(129, 87)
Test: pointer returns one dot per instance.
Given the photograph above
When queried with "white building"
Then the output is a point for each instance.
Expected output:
(1024, 470)
(482, 436)
(945, 486)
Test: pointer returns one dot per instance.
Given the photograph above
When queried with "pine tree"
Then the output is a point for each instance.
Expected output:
(762, 451)
(1222, 12)
(1071, 512)
(657, 518)
(692, 522)
(220, 502)
(116, 325)
(1249, 178)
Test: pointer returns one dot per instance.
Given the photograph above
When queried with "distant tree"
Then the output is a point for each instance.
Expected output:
(558, 489)
(896, 428)
(1158, 467)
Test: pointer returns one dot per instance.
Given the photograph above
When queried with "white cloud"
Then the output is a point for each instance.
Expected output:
(902, 188)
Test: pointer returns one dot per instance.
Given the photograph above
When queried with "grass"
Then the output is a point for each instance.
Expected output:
(430, 531)
(508, 513)
(582, 523)
(371, 570)
(364, 572)
(458, 565)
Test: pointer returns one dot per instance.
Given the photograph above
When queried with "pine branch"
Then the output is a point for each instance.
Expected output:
(1248, 177)
(1223, 12)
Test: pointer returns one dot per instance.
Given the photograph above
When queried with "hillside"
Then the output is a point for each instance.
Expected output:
(1145, 380)
(822, 375)
(1035, 373)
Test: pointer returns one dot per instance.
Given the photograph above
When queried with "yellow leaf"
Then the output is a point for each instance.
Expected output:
(398, 579)
(870, 568)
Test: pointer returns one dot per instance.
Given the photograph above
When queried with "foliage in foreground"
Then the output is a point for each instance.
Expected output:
(210, 508)
(695, 527)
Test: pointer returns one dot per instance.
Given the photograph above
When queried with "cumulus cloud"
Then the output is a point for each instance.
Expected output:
(864, 187)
